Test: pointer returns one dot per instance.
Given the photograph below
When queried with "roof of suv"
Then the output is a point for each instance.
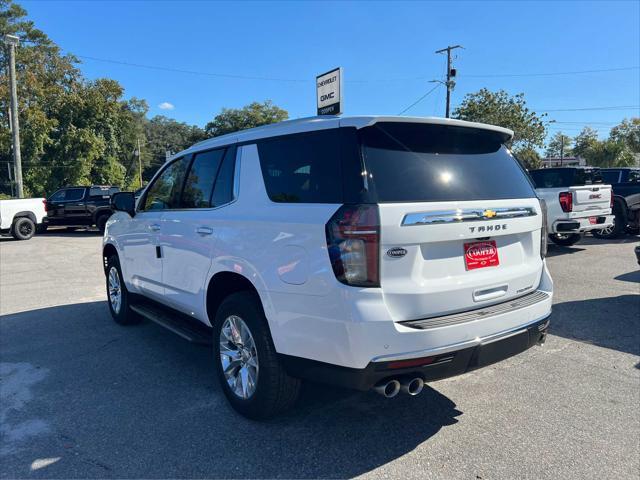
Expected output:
(320, 123)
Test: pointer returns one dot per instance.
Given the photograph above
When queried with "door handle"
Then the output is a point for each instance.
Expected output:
(204, 230)
(154, 227)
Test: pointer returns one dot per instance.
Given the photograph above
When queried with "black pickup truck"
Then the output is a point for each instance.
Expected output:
(80, 206)
(626, 201)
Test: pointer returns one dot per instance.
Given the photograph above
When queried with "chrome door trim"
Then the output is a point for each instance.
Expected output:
(466, 215)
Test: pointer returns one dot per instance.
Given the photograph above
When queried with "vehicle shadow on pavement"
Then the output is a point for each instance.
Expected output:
(554, 250)
(140, 402)
(611, 322)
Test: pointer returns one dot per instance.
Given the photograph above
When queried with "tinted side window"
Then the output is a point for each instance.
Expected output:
(223, 192)
(165, 192)
(611, 176)
(74, 194)
(302, 168)
(634, 176)
(199, 185)
(99, 192)
(58, 196)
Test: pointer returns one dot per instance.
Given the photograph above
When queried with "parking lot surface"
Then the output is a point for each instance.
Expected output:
(84, 397)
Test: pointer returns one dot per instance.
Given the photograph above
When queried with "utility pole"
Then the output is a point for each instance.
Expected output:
(451, 72)
(561, 149)
(139, 162)
(12, 42)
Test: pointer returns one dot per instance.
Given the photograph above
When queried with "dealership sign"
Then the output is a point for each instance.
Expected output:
(329, 92)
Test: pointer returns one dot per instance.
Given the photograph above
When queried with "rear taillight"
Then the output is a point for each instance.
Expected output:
(543, 230)
(44, 202)
(611, 202)
(566, 201)
(353, 243)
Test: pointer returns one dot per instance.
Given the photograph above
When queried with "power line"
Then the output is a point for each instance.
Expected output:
(378, 80)
(549, 74)
(420, 99)
(615, 107)
(192, 72)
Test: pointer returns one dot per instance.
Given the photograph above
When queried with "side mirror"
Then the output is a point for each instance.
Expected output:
(124, 202)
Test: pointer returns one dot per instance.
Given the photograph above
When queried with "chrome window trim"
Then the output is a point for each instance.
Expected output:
(466, 215)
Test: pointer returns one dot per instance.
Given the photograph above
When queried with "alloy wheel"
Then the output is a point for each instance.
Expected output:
(239, 357)
(115, 290)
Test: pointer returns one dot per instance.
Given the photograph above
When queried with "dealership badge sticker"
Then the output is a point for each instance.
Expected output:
(329, 92)
(481, 254)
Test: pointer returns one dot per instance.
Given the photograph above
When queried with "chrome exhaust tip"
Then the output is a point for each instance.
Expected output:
(388, 388)
(412, 386)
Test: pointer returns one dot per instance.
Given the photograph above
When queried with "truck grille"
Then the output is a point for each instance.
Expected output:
(470, 316)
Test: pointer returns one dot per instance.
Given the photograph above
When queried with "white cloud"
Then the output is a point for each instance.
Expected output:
(166, 106)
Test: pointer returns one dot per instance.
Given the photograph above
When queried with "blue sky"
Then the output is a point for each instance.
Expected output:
(386, 50)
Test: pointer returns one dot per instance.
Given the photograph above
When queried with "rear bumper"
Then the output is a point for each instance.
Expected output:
(485, 351)
(580, 225)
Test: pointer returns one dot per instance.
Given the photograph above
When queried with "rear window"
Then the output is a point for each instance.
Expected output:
(412, 162)
(565, 177)
(302, 168)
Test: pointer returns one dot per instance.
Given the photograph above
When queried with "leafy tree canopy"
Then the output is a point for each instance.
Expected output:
(256, 114)
(559, 145)
(509, 111)
(621, 149)
(585, 140)
(529, 158)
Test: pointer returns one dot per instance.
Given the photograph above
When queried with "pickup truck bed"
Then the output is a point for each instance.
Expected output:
(21, 217)
(573, 210)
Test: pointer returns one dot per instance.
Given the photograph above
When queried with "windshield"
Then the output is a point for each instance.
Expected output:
(414, 162)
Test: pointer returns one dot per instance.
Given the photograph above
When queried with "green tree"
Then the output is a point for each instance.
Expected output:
(72, 130)
(500, 108)
(559, 145)
(529, 158)
(166, 135)
(231, 120)
(610, 153)
(586, 140)
(628, 132)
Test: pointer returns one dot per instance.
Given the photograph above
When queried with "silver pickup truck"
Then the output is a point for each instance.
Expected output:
(576, 199)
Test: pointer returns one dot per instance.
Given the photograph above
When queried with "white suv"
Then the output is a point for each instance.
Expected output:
(368, 252)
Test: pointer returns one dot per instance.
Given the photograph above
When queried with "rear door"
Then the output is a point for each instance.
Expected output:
(463, 210)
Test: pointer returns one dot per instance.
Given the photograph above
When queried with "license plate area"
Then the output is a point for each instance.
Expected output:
(481, 254)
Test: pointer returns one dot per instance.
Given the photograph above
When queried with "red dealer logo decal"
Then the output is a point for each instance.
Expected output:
(481, 254)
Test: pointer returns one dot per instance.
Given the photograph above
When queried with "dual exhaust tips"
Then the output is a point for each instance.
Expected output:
(391, 388)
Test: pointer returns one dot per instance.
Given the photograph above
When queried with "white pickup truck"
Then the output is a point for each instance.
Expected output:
(22, 216)
(577, 201)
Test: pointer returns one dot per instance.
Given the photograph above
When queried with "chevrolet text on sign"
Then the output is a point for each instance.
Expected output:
(329, 92)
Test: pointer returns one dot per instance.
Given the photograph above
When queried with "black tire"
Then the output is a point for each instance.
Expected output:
(123, 314)
(633, 230)
(565, 239)
(101, 222)
(616, 230)
(23, 228)
(275, 390)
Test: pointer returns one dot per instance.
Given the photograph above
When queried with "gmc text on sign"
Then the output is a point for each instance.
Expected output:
(329, 92)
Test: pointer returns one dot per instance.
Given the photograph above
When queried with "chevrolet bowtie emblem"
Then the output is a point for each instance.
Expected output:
(489, 213)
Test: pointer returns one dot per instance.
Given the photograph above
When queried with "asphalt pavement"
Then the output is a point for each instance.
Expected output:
(81, 397)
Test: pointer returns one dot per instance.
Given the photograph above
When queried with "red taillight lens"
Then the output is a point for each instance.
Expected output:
(611, 201)
(44, 202)
(353, 243)
(566, 201)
